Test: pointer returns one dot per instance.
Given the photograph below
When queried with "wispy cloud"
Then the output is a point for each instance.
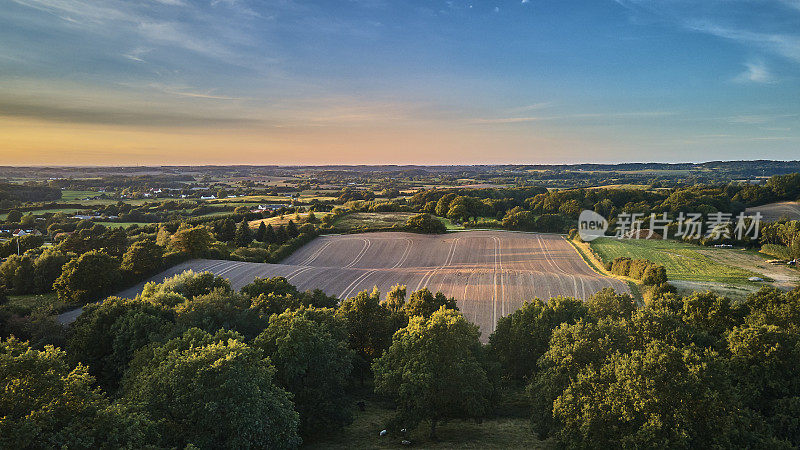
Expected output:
(511, 120)
(531, 107)
(577, 116)
(186, 91)
(137, 54)
(785, 45)
(102, 115)
(755, 72)
(757, 119)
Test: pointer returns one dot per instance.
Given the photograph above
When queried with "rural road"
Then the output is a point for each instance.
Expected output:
(490, 273)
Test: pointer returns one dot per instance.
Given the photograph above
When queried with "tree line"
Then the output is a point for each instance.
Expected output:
(192, 362)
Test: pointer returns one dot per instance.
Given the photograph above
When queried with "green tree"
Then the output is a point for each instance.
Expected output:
(658, 396)
(771, 306)
(220, 309)
(89, 277)
(710, 313)
(17, 274)
(105, 336)
(577, 347)
(318, 299)
(274, 285)
(47, 268)
(46, 403)
(519, 219)
(280, 235)
(163, 237)
(522, 337)
(243, 234)
(291, 229)
(227, 231)
(194, 241)
(654, 275)
(443, 205)
(188, 284)
(424, 303)
(433, 371)
(28, 220)
(425, 223)
(458, 212)
(765, 363)
(369, 328)
(314, 363)
(396, 299)
(212, 391)
(269, 235)
(14, 216)
(269, 304)
(607, 303)
(261, 234)
(142, 258)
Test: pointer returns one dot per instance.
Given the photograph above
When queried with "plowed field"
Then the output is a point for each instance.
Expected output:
(490, 273)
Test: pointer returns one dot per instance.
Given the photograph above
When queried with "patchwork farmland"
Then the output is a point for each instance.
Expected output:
(490, 273)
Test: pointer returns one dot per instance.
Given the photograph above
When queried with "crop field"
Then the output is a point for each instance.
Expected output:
(490, 273)
(682, 261)
(776, 211)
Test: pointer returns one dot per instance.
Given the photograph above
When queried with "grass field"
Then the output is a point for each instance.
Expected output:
(503, 432)
(283, 220)
(636, 187)
(76, 195)
(683, 261)
(366, 221)
(28, 303)
(450, 225)
(251, 199)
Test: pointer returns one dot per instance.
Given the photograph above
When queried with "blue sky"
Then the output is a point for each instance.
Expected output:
(378, 81)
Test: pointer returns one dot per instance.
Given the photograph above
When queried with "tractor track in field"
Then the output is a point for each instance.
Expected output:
(490, 273)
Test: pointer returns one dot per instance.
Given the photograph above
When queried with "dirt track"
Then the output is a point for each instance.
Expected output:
(490, 273)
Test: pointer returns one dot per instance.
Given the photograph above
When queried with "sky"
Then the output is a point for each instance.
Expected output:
(144, 82)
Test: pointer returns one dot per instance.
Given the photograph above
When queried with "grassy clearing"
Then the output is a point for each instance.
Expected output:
(682, 261)
(370, 221)
(505, 432)
(449, 224)
(25, 304)
(636, 187)
(250, 199)
(283, 220)
(77, 195)
(124, 224)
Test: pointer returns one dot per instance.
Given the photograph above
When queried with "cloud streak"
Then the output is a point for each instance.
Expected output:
(755, 72)
(117, 117)
(785, 45)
